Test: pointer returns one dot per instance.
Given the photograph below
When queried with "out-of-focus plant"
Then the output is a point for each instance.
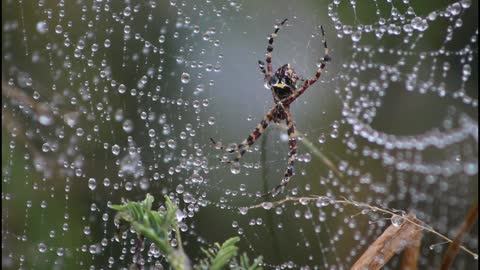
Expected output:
(156, 225)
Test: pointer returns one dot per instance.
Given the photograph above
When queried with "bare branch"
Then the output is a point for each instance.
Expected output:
(455, 245)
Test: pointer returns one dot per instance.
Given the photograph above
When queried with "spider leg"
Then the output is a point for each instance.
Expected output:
(253, 137)
(261, 65)
(266, 77)
(270, 48)
(323, 63)
(292, 143)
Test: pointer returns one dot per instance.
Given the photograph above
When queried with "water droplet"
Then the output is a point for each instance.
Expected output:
(115, 149)
(321, 138)
(42, 27)
(42, 247)
(94, 249)
(196, 178)
(267, 205)
(324, 201)
(185, 78)
(356, 36)
(470, 168)
(200, 88)
(161, 39)
(45, 147)
(334, 134)
(127, 12)
(107, 43)
(465, 3)
(419, 24)
(180, 215)
(304, 201)
(92, 183)
(235, 168)
(80, 132)
(45, 119)
(243, 210)
(58, 29)
(180, 189)
(307, 158)
(128, 186)
(172, 143)
(127, 125)
(211, 120)
(467, 71)
(396, 220)
(36, 95)
(71, 119)
(106, 182)
(122, 89)
(347, 29)
(454, 9)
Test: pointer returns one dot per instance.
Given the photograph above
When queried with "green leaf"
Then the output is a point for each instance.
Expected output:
(148, 202)
(156, 225)
(245, 263)
(226, 252)
(119, 207)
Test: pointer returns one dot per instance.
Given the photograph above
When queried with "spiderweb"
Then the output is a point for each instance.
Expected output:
(104, 100)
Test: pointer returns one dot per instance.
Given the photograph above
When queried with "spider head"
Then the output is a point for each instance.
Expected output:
(283, 81)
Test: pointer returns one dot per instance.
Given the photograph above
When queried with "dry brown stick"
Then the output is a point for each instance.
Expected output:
(391, 212)
(454, 246)
(391, 241)
(412, 253)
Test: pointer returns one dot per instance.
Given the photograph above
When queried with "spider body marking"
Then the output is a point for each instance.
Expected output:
(283, 85)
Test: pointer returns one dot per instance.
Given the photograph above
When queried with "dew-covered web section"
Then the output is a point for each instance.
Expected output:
(104, 100)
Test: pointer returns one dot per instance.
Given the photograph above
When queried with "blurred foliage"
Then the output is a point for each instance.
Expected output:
(156, 225)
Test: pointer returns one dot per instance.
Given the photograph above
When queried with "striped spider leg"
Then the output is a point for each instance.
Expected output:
(268, 73)
(307, 83)
(292, 153)
(242, 148)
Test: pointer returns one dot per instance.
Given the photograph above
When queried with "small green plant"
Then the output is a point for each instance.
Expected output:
(156, 225)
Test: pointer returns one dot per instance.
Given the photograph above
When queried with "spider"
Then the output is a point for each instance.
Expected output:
(283, 85)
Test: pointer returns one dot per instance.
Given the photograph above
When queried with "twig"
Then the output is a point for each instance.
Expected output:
(412, 252)
(386, 245)
(454, 246)
(418, 223)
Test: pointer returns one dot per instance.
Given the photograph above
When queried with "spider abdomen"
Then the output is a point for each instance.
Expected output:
(282, 93)
(283, 81)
